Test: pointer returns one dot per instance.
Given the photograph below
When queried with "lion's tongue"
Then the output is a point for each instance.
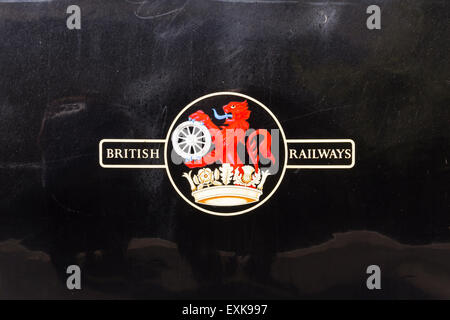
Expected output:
(221, 117)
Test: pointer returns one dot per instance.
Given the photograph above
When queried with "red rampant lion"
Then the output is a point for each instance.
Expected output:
(228, 136)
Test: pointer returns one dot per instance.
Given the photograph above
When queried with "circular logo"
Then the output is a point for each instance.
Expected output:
(225, 153)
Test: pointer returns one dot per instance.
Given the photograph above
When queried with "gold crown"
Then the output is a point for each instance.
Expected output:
(226, 186)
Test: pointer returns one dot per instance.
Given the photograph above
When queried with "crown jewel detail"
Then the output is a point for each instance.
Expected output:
(226, 186)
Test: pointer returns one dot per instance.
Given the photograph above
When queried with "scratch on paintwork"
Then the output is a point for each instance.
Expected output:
(63, 206)
(309, 3)
(233, 54)
(38, 165)
(20, 165)
(332, 3)
(65, 110)
(142, 3)
(24, 1)
(258, 1)
(83, 155)
(315, 112)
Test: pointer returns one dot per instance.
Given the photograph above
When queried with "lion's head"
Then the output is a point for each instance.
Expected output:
(239, 111)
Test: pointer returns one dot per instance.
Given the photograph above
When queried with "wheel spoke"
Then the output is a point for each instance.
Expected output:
(191, 139)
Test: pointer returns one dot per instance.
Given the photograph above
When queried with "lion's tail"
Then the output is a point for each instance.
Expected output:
(264, 147)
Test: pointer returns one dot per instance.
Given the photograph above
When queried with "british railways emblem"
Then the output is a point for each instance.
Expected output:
(226, 153)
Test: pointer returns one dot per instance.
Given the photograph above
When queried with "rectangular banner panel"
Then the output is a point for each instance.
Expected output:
(132, 153)
(321, 153)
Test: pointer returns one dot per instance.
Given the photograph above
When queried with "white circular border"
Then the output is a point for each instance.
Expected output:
(168, 140)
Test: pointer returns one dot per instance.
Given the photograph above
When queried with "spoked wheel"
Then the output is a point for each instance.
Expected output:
(191, 140)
